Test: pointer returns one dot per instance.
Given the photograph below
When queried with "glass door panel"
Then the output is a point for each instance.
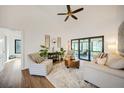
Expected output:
(88, 48)
(96, 47)
(84, 49)
(75, 47)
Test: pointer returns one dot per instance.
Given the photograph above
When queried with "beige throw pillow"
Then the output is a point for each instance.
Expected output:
(36, 57)
(101, 61)
(115, 62)
(113, 58)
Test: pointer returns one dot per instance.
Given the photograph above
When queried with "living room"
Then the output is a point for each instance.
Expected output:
(40, 22)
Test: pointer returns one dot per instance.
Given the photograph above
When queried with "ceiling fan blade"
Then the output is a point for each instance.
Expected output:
(74, 17)
(78, 10)
(68, 8)
(66, 18)
(62, 14)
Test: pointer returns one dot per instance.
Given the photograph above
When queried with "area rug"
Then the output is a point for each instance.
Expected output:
(62, 77)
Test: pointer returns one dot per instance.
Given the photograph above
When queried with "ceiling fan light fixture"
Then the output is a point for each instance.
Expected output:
(71, 13)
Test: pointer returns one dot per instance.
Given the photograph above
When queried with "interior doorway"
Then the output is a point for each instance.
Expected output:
(3, 53)
(10, 46)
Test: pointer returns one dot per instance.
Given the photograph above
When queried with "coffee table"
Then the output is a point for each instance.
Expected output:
(72, 63)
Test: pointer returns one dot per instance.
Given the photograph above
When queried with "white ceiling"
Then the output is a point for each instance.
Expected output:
(20, 17)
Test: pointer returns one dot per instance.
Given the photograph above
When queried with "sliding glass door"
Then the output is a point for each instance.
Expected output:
(96, 47)
(84, 49)
(75, 47)
(88, 48)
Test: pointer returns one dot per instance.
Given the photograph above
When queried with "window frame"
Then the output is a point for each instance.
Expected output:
(89, 45)
(16, 40)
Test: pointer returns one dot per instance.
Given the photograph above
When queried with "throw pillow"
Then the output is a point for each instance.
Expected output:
(113, 58)
(116, 62)
(101, 54)
(117, 65)
(101, 61)
(94, 61)
(36, 57)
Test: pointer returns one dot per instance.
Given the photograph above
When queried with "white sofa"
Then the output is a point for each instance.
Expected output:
(103, 76)
(41, 69)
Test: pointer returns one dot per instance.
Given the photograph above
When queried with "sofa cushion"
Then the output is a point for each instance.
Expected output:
(36, 57)
(105, 69)
(115, 62)
(112, 58)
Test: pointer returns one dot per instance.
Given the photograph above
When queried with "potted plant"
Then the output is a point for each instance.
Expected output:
(62, 52)
(44, 51)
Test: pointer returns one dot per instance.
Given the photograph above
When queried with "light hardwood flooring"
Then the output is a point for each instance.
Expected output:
(12, 77)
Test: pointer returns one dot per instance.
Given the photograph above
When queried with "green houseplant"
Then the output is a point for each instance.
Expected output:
(44, 51)
(62, 52)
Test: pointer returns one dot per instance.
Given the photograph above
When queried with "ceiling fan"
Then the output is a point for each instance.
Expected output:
(71, 13)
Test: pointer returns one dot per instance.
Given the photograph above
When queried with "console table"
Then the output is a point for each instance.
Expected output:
(54, 56)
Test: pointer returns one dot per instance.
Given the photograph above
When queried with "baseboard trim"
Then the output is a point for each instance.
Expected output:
(25, 68)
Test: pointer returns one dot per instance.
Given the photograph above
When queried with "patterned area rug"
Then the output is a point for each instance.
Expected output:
(62, 77)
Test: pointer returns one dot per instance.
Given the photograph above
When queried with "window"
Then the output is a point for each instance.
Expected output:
(96, 46)
(88, 48)
(18, 46)
(84, 48)
(75, 47)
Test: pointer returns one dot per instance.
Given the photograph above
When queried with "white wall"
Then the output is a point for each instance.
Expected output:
(36, 21)
(2, 51)
(11, 36)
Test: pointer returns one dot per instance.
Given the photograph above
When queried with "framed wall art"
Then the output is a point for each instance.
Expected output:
(58, 42)
(47, 41)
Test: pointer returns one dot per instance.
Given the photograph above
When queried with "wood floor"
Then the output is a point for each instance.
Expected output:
(13, 77)
(34, 81)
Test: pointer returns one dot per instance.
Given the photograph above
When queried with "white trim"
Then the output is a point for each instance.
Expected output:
(22, 51)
